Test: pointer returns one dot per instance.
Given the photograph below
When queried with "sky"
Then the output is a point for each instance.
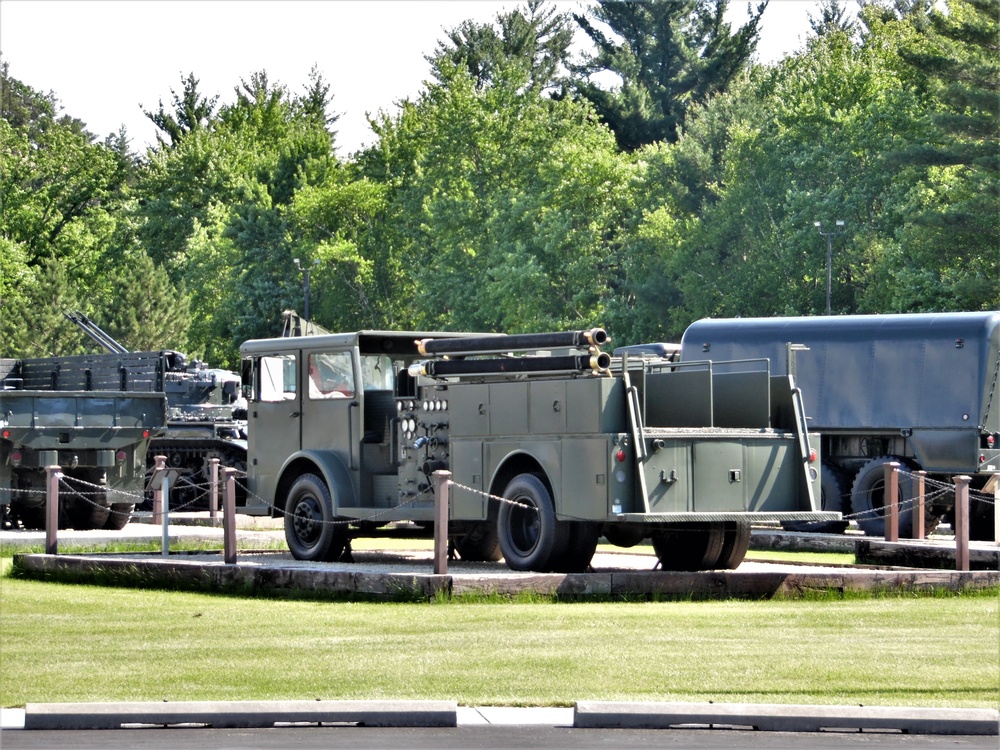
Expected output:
(107, 60)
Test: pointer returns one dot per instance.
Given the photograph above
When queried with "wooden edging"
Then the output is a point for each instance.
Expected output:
(174, 573)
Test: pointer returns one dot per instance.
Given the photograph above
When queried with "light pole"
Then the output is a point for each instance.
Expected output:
(829, 255)
(305, 270)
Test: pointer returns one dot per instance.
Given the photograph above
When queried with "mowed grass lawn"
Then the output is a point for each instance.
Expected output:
(73, 642)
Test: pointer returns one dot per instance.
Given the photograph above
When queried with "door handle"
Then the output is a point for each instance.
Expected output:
(295, 414)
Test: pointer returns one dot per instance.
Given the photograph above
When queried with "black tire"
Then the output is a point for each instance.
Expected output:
(622, 535)
(690, 546)
(834, 494)
(31, 518)
(86, 507)
(580, 548)
(531, 538)
(735, 545)
(868, 499)
(981, 526)
(310, 531)
(119, 516)
(480, 542)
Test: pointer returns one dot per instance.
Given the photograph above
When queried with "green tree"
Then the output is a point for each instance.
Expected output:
(668, 55)
(948, 255)
(537, 37)
(832, 18)
(149, 313)
(496, 237)
(191, 111)
(799, 142)
(36, 326)
(63, 200)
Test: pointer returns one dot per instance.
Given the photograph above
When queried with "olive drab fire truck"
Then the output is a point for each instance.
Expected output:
(551, 444)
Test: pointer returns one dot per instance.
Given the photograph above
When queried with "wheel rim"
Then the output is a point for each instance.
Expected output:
(307, 520)
(525, 526)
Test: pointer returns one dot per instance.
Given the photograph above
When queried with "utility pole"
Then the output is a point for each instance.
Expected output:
(305, 270)
(829, 255)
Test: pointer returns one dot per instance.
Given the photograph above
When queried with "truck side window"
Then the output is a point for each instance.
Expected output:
(376, 372)
(331, 375)
(276, 378)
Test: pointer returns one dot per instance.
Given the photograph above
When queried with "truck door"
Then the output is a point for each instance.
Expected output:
(274, 418)
(331, 411)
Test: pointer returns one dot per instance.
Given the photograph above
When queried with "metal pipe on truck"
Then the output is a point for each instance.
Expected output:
(513, 343)
(442, 368)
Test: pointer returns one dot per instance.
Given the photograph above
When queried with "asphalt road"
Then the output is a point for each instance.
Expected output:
(463, 738)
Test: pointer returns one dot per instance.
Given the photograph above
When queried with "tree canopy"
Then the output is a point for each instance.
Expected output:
(520, 191)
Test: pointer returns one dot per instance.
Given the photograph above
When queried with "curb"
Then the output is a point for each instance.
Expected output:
(786, 718)
(585, 715)
(240, 714)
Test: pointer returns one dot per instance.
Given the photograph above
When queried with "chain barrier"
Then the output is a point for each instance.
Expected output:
(276, 511)
(942, 489)
(903, 504)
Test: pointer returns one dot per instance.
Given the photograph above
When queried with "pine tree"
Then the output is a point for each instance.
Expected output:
(832, 19)
(536, 37)
(191, 112)
(956, 208)
(38, 328)
(669, 55)
(149, 313)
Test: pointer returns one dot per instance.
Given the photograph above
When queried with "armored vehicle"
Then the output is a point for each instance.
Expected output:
(206, 420)
(921, 390)
(551, 444)
(94, 417)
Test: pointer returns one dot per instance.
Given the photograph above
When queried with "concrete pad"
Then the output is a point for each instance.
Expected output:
(240, 714)
(11, 718)
(791, 718)
(518, 716)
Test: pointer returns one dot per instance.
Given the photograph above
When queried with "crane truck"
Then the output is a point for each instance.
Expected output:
(551, 444)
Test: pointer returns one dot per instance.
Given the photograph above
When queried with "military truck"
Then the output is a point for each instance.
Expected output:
(551, 444)
(205, 419)
(92, 416)
(921, 390)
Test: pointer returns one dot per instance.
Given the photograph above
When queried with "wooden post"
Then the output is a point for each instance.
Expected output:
(891, 500)
(213, 498)
(962, 522)
(165, 517)
(52, 477)
(993, 485)
(918, 479)
(229, 517)
(443, 480)
(159, 465)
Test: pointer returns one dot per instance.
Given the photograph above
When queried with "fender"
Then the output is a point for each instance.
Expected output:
(327, 465)
(505, 460)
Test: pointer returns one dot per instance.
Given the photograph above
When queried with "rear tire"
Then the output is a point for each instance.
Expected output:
(310, 531)
(531, 538)
(981, 525)
(580, 548)
(89, 509)
(479, 543)
(868, 499)
(689, 546)
(735, 545)
(119, 516)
